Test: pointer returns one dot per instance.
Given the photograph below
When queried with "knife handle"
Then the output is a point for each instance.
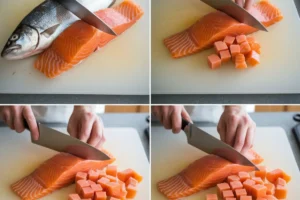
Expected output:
(184, 123)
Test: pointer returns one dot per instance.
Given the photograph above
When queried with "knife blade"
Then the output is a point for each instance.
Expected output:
(86, 15)
(237, 12)
(211, 145)
(61, 142)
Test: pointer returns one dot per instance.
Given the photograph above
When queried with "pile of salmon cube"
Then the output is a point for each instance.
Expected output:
(258, 185)
(106, 184)
(241, 50)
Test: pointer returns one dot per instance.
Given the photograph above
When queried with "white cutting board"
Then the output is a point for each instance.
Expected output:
(171, 154)
(19, 158)
(277, 73)
(120, 68)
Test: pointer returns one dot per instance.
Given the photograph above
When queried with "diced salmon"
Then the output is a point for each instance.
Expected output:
(262, 169)
(243, 176)
(222, 187)
(248, 185)
(251, 39)
(235, 49)
(277, 173)
(270, 188)
(227, 193)
(280, 181)
(240, 192)
(240, 62)
(113, 198)
(229, 40)
(220, 46)
(91, 182)
(100, 196)
(126, 174)
(230, 198)
(103, 182)
(93, 175)
(87, 199)
(271, 197)
(246, 198)
(255, 47)
(257, 180)
(236, 185)
(113, 189)
(225, 56)
(281, 192)
(254, 157)
(214, 61)
(96, 188)
(253, 58)
(261, 198)
(80, 176)
(101, 173)
(259, 191)
(131, 191)
(87, 192)
(241, 38)
(131, 181)
(245, 48)
(111, 178)
(233, 178)
(74, 197)
(111, 170)
(81, 184)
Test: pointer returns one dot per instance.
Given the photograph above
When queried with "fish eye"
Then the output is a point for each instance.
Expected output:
(14, 37)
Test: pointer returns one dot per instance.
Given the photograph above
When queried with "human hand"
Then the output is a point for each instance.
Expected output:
(171, 116)
(236, 128)
(14, 117)
(247, 4)
(85, 125)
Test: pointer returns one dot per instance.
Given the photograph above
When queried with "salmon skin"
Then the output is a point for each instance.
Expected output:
(80, 40)
(215, 27)
(202, 174)
(55, 173)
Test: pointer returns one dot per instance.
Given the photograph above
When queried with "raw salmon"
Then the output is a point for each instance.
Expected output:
(202, 174)
(55, 173)
(80, 40)
(215, 27)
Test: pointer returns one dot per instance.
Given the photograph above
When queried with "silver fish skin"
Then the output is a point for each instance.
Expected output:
(42, 25)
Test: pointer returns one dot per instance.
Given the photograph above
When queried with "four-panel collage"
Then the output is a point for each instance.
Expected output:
(149, 99)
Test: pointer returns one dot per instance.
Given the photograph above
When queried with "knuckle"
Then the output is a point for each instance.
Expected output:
(233, 119)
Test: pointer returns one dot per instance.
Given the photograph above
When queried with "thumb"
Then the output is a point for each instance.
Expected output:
(185, 115)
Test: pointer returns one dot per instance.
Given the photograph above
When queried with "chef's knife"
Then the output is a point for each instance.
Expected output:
(86, 15)
(211, 145)
(237, 12)
(61, 142)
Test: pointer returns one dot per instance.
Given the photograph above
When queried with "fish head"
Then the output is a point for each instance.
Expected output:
(22, 43)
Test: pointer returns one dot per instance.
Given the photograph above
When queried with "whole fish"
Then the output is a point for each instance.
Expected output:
(42, 25)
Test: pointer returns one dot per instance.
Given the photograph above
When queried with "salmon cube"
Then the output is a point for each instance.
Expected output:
(246, 198)
(103, 182)
(220, 46)
(245, 48)
(131, 192)
(229, 40)
(280, 181)
(262, 169)
(126, 174)
(96, 187)
(222, 187)
(131, 181)
(277, 173)
(80, 176)
(280, 192)
(87, 199)
(101, 173)
(233, 178)
(236, 185)
(253, 58)
(261, 198)
(113, 189)
(270, 188)
(243, 176)
(81, 184)
(225, 56)
(91, 182)
(251, 39)
(74, 197)
(240, 192)
(258, 180)
(87, 192)
(248, 185)
(235, 49)
(100, 196)
(111, 178)
(227, 194)
(271, 197)
(259, 191)
(240, 62)
(286, 177)
(255, 47)
(111, 170)
(230, 198)
(93, 175)
(214, 61)
(241, 38)
(113, 198)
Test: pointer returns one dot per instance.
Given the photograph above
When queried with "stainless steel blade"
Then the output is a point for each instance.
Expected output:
(211, 145)
(237, 12)
(61, 142)
(86, 15)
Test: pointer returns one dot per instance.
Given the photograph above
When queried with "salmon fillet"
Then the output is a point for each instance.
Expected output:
(215, 27)
(201, 174)
(55, 173)
(80, 40)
